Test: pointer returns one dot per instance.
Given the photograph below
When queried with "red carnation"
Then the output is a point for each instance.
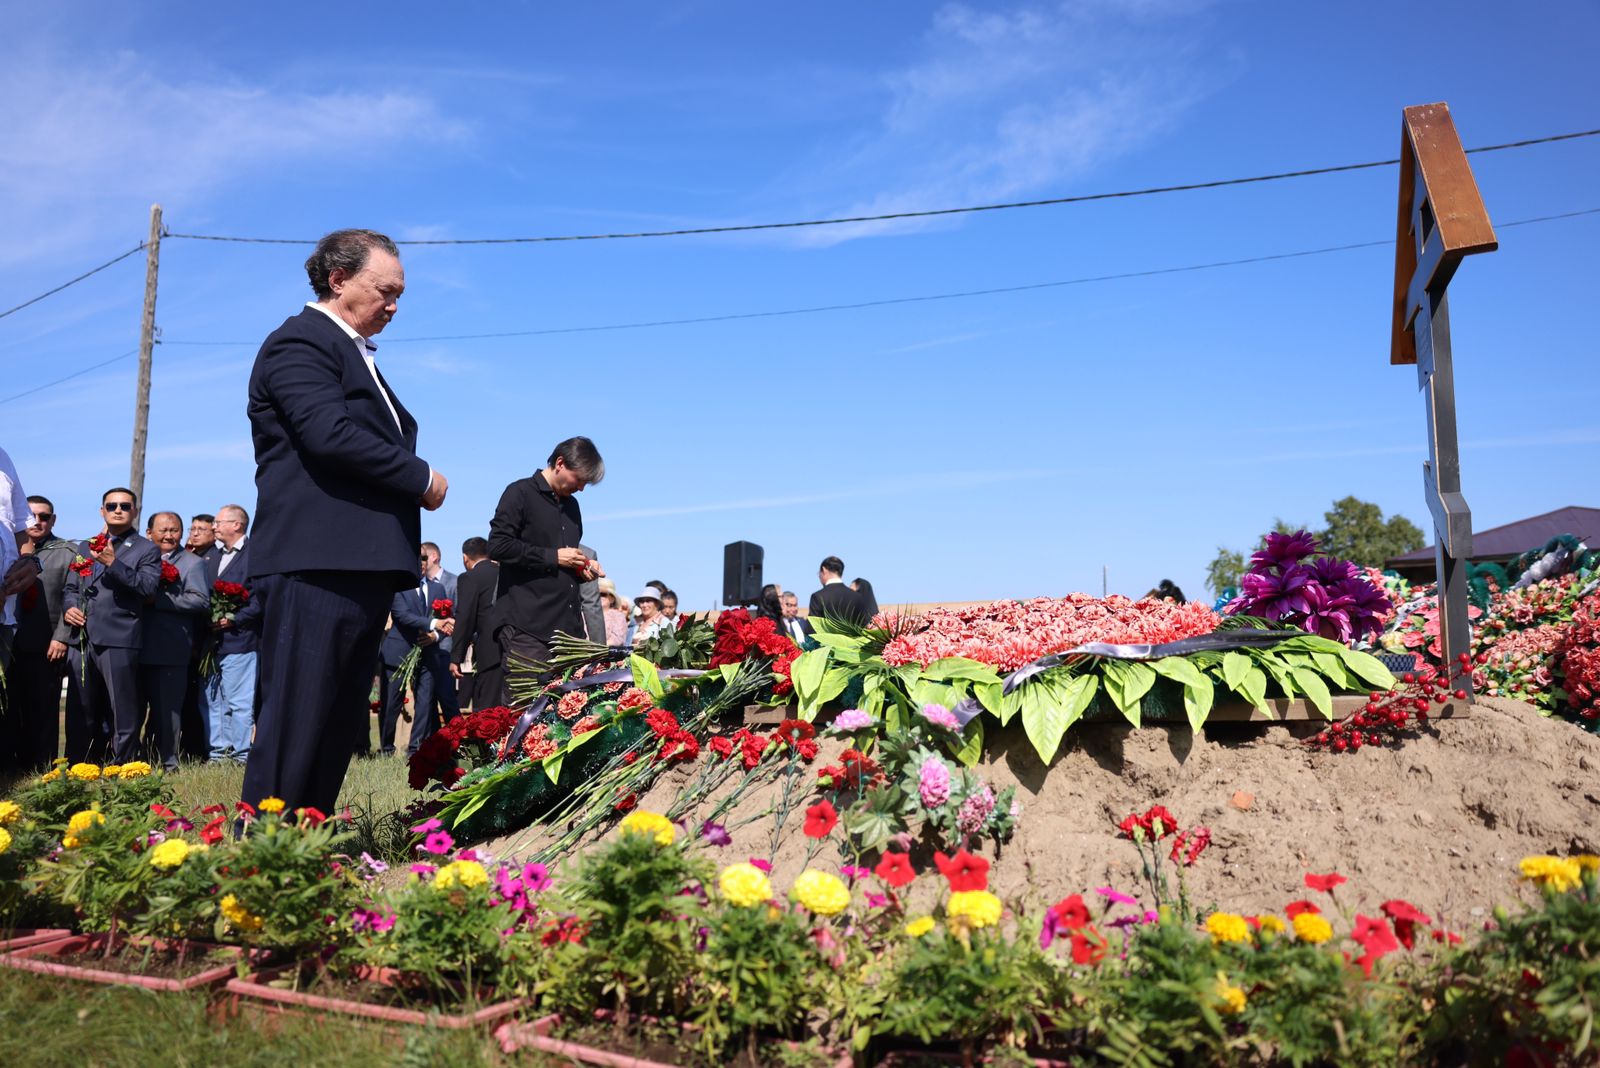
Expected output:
(443, 607)
(1188, 845)
(1135, 826)
(895, 869)
(84, 568)
(721, 745)
(98, 543)
(170, 576)
(964, 871)
(634, 699)
(1160, 822)
(1324, 883)
(821, 819)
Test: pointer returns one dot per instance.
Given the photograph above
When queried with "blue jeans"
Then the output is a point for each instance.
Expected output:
(229, 699)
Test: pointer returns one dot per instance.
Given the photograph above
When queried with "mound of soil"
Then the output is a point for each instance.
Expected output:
(1441, 820)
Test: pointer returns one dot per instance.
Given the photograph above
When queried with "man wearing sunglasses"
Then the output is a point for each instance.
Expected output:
(104, 603)
(40, 661)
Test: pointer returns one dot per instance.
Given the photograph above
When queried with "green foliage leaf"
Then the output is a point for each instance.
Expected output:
(646, 677)
(1368, 668)
(959, 667)
(807, 672)
(1049, 707)
(1126, 682)
(1198, 693)
(1315, 689)
(1235, 665)
(1254, 688)
(971, 747)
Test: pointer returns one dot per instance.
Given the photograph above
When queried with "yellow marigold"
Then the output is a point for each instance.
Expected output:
(50, 776)
(170, 854)
(824, 894)
(467, 874)
(1585, 861)
(1231, 998)
(919, 926)
(1312, 928)
(79, 824)
(271, 804)
(84, 772)
(133, 769)
(10, 812)
(1227, 927)
(5, 840)
(744, 885)
(111, 771)
(1269, 924)
(1553, 872)
(650, 823)
(978, 908)
(235, 913)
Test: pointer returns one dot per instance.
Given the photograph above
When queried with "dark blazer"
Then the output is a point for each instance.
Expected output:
(411, 615)
(838, 601)
(113, 597)
(338, 485)
(475, 592)
(171, 619)
(245, 634)
(805, 629)
(530, 526)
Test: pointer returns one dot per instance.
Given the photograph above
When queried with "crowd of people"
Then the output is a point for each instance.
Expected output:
(261, 646)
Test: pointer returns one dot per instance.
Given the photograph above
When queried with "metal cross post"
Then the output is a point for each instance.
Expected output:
(1441, 220)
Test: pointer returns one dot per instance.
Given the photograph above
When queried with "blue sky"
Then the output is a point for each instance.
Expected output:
(997, 446)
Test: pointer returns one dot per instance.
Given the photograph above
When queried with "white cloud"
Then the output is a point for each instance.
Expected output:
(1013, 103)
(88, 142)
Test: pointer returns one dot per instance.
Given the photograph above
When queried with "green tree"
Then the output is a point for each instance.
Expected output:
(1357, 531)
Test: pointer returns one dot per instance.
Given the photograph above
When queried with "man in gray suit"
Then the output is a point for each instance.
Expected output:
(105, 603)
(594, 613)
(170, 620)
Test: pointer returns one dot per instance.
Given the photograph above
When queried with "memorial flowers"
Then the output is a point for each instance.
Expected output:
(1326, 596)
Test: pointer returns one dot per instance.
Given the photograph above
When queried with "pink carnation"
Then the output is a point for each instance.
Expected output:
(572, 704)
(933, 782)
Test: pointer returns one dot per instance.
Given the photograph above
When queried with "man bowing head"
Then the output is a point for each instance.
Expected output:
(338, 484)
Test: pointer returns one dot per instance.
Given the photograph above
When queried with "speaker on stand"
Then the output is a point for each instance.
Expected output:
(741, 573)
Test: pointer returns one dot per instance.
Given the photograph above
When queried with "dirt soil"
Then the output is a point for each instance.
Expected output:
(1441, 820)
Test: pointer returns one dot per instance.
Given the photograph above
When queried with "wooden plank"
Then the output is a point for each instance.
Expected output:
(1458, 210)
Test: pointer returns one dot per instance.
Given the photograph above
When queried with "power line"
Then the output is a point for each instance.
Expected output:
(925, 297)
(746, 227)
(73, 282)
(68, 378)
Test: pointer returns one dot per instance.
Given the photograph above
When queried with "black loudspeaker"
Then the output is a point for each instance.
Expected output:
(741, 573)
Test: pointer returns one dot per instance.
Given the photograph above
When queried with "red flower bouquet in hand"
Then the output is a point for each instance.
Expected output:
(407, 671)
(170, 575)
(226, 600)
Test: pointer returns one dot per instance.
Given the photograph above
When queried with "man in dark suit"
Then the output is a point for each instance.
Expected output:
(338, 484)
(104, 600)
(414, 625)
(170, 621)
(794, 625)
(836, 600)
(534, 538)
(39, 659)
(203, 538)
(476, 588)
(194, 735)
(229, 695)
(446, 705)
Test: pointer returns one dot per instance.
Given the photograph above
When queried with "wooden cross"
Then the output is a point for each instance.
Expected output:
(1442, 219)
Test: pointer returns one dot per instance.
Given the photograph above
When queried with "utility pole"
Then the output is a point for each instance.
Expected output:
(147, 341)
(1105, 579)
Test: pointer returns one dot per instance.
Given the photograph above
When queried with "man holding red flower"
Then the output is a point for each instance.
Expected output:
(172, 615)
(413, 655)
(104, 603)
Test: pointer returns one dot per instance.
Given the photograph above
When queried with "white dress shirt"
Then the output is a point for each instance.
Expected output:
(228, 555)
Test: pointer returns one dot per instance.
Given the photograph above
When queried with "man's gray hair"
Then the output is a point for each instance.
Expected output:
(581, 458)
(345, 250)
(244, 516)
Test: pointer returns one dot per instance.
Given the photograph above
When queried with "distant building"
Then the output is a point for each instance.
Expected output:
(1504, 543)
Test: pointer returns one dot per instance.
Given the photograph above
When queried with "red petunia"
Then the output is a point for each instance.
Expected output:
(244, 808)
(1070, 912)
(312, 816)
(211, 833)
(1406, 916)
(964, 871)
(1295, 908)
(895, 869)
(1324, 883)
(1086, 950)
(821, 819)
(1376, 938)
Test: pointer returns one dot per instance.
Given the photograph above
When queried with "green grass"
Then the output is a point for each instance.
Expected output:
(59, 1022)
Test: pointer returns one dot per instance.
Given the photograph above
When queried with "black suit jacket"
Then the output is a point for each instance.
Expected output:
(245, 634)
(412, 615)
(475, 593)
(338, 485)
(838, 601)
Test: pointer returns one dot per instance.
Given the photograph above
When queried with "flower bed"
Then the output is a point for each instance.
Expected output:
(149, 963)
(384, 995)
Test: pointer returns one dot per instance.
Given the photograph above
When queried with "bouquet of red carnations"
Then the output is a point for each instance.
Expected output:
(226, 600)
(443, 608)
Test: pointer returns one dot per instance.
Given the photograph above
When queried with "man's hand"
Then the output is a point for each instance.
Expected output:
(20, 576)
(57, 650)
(455, 671)
(427, 638)
(572, 559)
(74, 617)
(105, 557)
(437, 486)
(593, 571)
(225, 623)
(445, 626)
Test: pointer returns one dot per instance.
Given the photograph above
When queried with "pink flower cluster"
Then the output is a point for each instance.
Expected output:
(1009, 634)
(933, 782)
